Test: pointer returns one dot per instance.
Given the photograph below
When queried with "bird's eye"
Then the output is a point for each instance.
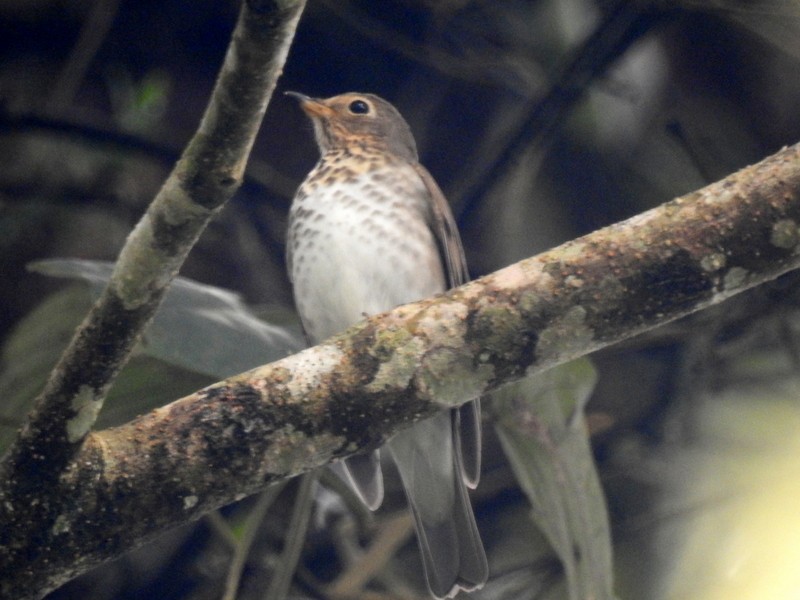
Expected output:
(359, 107)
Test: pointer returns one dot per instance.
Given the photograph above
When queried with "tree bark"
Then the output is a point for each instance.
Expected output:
(352, 392)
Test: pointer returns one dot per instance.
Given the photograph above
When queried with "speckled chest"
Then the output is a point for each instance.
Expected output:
(359, 241)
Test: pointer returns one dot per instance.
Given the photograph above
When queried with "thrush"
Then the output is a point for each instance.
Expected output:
(369, 230)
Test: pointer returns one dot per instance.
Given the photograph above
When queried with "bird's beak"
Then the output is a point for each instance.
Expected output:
(311, 106)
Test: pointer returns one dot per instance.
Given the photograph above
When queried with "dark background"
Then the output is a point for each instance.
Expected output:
(541, 121)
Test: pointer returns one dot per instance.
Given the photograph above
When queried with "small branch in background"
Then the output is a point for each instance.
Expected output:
(93, 33)
(625, 23)
(485, 68)
(295, 538)
(250, 530)
(261, 176)
(393, 532)
(220, 528)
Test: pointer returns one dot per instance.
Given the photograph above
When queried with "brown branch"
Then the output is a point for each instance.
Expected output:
(93, 32)
(231, 439)
(480, 67)
(39, 463)
(624, 23)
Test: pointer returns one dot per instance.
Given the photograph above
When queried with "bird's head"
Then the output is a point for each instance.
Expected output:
(356, 119)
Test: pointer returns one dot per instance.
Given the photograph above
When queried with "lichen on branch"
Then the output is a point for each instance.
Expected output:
(355, 390)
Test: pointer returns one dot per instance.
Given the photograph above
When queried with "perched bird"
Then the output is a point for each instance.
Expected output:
(369, 230)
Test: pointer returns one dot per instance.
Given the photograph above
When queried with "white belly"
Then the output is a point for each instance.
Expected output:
(360, 248)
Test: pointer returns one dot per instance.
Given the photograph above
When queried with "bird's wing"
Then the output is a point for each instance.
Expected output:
(444, 228)
(467, 418)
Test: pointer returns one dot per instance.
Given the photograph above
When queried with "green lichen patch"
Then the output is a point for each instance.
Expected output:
(398, 370)
(567, 335)
(387, 341)
(449, 378)
(784, 234)
(444, 323)
(86, 405)
(735, 279)
(713, 262)
(291, 451)
(496, 325)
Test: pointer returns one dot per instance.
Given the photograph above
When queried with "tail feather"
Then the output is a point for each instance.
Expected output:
(430, 467)
(467, 434)
(363, 473)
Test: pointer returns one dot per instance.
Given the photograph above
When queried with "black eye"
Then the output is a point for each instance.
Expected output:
(359, 107)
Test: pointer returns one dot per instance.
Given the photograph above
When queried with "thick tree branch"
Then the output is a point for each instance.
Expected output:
(207, 175)
(128, 483)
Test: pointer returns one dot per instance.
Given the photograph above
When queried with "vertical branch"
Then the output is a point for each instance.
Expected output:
(207, 175)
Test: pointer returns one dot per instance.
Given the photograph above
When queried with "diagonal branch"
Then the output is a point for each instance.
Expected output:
(207, 175)
(624, 23)
(231, 439)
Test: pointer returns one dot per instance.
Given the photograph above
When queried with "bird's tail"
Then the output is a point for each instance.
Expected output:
(363, 473)
(451, 548)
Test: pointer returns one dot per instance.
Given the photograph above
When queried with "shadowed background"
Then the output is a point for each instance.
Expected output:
(541, 120)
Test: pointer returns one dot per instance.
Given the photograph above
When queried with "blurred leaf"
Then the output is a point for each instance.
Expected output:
(139, 105)
(201, 334)
(542, 430)
(144, 384)
(730, 491)
(773, 20)
(36, 344)
(31, 351)
(199, 327)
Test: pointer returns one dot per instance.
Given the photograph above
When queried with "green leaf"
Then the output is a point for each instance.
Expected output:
(33, 348)
(201, 334)
(199, 327)
(542, 430)
(31, 351)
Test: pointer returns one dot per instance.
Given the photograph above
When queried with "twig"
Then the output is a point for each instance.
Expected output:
(484, 68)
(624, 24)
(251, 528)
(392, 534)
(93, 33)
(295, 537)
(219, 526)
